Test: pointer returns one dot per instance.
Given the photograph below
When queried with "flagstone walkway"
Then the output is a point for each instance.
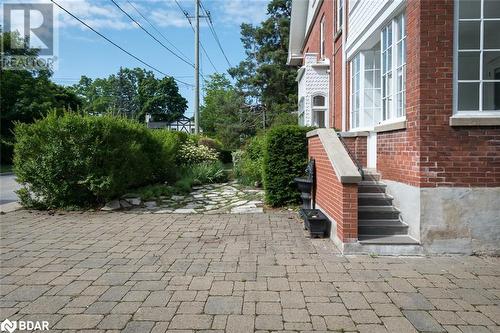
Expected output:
(208, 199)
(119, 271)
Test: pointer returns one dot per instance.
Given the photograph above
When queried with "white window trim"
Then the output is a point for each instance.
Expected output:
(339, 16)
(323, 108)
(488, 114)
(392, 118)
(322, 37)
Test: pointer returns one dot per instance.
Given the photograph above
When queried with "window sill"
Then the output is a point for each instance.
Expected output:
(390, 126)
(475, 120)
(353, 134)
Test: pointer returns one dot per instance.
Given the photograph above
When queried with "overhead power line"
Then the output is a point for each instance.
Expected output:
(214, 33)
(150, 34)
(118, 46)
(156, 29)
(186, 14)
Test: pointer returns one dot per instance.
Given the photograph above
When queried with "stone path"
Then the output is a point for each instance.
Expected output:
(209, 199)
(111, 272)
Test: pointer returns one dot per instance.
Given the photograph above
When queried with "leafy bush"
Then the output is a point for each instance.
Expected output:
(285, 118)
(210, 143)
(74, 160)
(170, 153)
(191, 153)
(248, 164)
(153, 192)
(285, 157)
(208, 173)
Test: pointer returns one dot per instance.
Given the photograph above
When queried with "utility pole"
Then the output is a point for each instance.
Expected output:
(197, 68)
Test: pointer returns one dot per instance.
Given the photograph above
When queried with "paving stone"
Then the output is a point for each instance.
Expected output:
(318, 289)
(364, 316)
(154, 313)
(353, 300)
(411, 301)
(447, 317)
(112, 279)
(339, 323)
(269, 322)
(423, 321)
(278, 284)
(292, 299)
(224, 305)
(114, 322)
(191, 322)
(26, 293)
(138, 327)
(475, 318)
(386, 310)
(398, 325)
(296, 315)
(240, 324)
(46, 304)
(327, 309)
(201, 283)
(79, 321)
(268, 308)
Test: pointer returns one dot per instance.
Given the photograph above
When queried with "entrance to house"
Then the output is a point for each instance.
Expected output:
(371, 150)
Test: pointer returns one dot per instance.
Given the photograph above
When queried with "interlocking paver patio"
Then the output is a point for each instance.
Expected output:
(109, 272)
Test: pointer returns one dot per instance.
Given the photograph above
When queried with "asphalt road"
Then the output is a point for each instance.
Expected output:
(8, 185)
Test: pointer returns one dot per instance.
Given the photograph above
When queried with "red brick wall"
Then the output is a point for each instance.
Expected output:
(340, 201)
(357, 147)
(431, 153)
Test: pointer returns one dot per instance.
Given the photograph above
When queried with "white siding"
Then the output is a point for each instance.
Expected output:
(366, 17)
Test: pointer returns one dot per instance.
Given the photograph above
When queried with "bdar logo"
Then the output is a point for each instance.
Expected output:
(8, 325)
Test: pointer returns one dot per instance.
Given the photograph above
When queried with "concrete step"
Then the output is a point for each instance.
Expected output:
(382, 227)
(369, 174)
(377, 213)
(387, 240)
(371, 186)
(374, 199)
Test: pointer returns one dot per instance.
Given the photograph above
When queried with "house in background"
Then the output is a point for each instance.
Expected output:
(183, 124)
(413, 88)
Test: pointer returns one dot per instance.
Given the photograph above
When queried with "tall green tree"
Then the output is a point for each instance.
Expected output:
(26, 95)
(224, 113)
(264, 76)
(132, 93)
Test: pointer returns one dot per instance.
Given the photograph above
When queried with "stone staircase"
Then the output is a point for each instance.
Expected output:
(379, 222)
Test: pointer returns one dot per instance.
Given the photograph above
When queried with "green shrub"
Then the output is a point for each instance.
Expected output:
(210, 143)
(169, 155)
(285, 157)
(285, 118)
(248, 164)
(208, 173)
(74, 160)
(191, 153)
(153, 192)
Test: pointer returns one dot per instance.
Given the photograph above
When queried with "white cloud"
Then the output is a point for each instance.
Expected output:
(243, 11)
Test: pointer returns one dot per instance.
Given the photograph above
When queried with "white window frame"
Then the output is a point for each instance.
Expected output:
(322, 37)
(356, 74)
(390, 100)
(340, 14)
(320, 108)
(480, 112)
(361, 126)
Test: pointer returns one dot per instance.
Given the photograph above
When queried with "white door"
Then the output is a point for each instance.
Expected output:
(371, 153)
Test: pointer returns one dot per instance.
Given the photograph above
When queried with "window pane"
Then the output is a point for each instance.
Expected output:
(468, 35)
(491, 96)
(491, 65)
(468, 65)
(491, 9)
(492, 34)
(468, 96)
(318, 101)
(400, 53)
(470, 9)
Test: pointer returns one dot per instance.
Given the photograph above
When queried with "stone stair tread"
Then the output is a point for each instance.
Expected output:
(372, 183)
(375, 195)
(377, 208)
(382, 222)
(387, 240)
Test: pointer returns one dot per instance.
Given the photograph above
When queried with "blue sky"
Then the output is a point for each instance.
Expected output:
(82, 52)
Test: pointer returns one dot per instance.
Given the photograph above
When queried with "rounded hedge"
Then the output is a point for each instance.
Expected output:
(285, 157)
(73, 160)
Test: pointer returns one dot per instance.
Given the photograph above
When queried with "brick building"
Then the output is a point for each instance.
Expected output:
(408, 94)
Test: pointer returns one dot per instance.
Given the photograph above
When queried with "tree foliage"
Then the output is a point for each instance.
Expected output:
(26, 95)
(132, 93)
(264, 76)
(224, 114)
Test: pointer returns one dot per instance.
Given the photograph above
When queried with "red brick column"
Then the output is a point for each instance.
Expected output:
(357, 146)
(339, 201)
